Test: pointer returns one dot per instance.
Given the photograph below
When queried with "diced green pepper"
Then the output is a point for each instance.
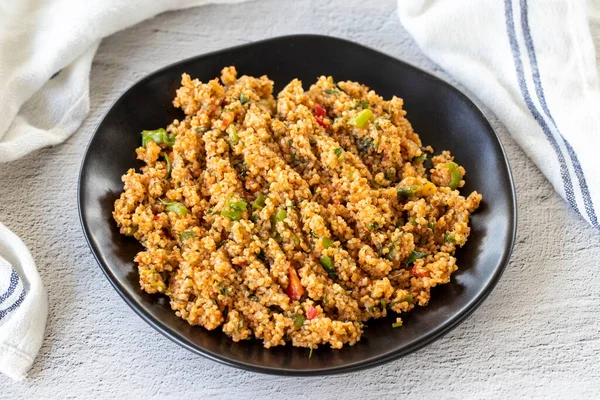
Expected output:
(234, 138)
(454, 175)
(361, 119)
(244, 99)
(298, 321)
(328, 266)
(132, 230)
(175, 207)
(397, 325)
(280, 215)
(168, 161)
(259, 203)
(159, 136)
(234, 209)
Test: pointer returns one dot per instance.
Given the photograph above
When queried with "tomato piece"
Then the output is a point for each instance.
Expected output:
(320, 111)
(295, 290)
(417, 273)
(311, 312)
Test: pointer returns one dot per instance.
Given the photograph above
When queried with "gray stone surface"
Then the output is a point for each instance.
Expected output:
(536, 336)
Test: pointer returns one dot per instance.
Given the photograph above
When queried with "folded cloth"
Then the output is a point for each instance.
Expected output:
(23, 306)
(46, 52)
(533, 63)
(46, 49)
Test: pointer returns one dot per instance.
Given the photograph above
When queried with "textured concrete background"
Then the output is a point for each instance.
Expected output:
(536, 336)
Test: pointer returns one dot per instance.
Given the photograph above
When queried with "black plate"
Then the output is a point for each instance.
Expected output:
(443, 117)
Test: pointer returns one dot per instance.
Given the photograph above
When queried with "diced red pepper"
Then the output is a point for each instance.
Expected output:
(417, 273)
(295, 290)
(320, 113)
(156, 217)
(311, 312)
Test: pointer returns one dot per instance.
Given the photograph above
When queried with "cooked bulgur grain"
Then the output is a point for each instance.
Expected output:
(292, 219)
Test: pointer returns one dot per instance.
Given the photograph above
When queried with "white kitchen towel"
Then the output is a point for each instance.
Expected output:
(532, 63)
(46, 51)
(23, 306)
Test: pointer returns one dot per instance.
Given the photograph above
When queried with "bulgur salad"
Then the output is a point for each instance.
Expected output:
(292, 219)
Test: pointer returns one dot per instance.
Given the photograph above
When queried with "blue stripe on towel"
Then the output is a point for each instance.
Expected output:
(14, 281)
(539, 90)
(14, 306)
(514, 45)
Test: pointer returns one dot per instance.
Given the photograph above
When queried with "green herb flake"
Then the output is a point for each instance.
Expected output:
(373, 226)
(186, 235)
(310, 352)
(331, 91)
(406, 192)
(414, 256)
(397, 325)
(364, 145)
(383, 303)
(431, 225)
(392, 252)
(244, 99)
(449, 239)
(360, 104)
(327, 243)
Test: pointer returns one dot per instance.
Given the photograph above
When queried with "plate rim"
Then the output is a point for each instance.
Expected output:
(369, 362)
